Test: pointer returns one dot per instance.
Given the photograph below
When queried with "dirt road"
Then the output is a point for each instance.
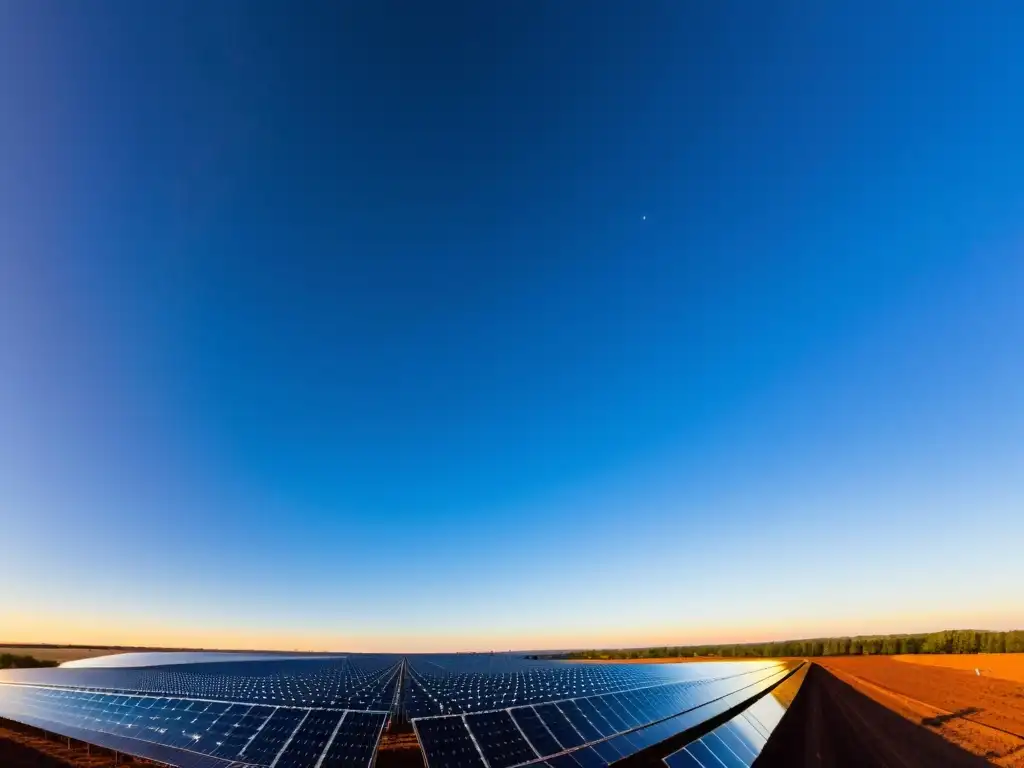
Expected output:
(832, 725)
(984, 716)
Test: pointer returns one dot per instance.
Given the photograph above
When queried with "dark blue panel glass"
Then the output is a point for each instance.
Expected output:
(741, 747)
(620, 708)
(309, 740)
(683, 759)
(596, 718)
(723, 752)
(447, 744)
(643, 738)
(677, 699)
(535, 731)
(608, 713)
(607, 752)
(580, 722)
(271, 737)
(663, 730)
(746, 731)
(563, 761)
(559, 726)
(641, 708)
(624, 744)
(499, 739)
(588, 758)
(355, 741)
(239, 728)
(699, 750)
(664, 705)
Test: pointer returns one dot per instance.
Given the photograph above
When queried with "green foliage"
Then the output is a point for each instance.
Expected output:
(946, 641)
(14, 661)
(1015, 641)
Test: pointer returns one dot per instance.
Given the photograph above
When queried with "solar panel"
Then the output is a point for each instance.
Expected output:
(286, 713)
(734, 744)
(341, 682)
(683, 759)
(271, 736)
(309, 740)
(580, 722)
(447, 743)
(499, 739)
(588, 731)
(469, 711)
(355, 742)
(533, 728)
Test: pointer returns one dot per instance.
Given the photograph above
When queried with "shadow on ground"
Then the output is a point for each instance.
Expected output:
(938, 720)
(15, 755)
(831, 724)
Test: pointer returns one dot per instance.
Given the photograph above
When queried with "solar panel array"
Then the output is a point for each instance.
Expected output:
(468, 711)
(295, 713)
(350, 682)
(439, 685)
(735, 744)
(569, 716)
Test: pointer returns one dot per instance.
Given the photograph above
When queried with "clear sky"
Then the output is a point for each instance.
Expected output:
(451, 325)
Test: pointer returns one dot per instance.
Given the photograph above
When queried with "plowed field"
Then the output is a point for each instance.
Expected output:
(1007, 666)
(982, 715)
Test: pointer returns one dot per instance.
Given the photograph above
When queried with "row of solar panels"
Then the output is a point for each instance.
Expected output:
(433, 689)
(192, 733)
(735, 744)
(368, 684)
(586, 732)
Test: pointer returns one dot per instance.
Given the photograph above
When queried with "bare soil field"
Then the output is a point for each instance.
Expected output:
(1006, 666)
(671, 660)
(399, 750)
(831, 724)
(59, 654)
(982, 715)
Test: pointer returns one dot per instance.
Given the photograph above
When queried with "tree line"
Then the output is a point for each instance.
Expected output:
(14, 661)
(946, 641)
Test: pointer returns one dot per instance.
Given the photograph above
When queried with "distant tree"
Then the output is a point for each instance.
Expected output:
(995, 642)
(16, 661)
(947, 641)
(1014, 641)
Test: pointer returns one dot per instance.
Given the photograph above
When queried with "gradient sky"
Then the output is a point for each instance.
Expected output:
(341, 326)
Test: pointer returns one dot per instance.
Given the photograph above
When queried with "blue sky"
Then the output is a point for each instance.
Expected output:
(405, 326)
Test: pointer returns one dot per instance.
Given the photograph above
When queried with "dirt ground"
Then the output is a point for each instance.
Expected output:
(399, 750)
(1006, 666)
(833, 725)
(671, 660)
(982, 715)
(58, 654)
(25, 748)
